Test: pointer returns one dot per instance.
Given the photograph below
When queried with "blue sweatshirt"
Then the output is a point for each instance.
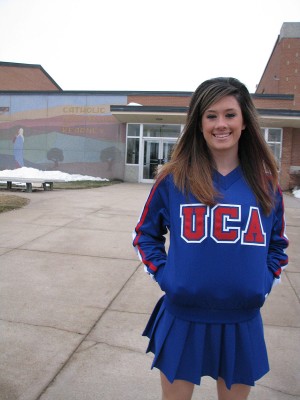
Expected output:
(221, 261)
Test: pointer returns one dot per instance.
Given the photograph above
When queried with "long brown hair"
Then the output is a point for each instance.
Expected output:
(191, 162)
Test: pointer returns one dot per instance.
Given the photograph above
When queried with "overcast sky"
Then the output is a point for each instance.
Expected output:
(164, 45)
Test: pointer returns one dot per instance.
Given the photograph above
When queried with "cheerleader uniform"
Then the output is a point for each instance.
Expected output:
(220, 266)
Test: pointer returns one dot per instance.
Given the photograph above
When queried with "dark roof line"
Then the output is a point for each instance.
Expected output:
(19, 65)
(133, 93)
(272, 96)
(100, 92)
(269, 60)
(278, 112)
(51, 79)
(143, 109)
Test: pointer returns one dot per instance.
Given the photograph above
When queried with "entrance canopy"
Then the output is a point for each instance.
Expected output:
(149, 114)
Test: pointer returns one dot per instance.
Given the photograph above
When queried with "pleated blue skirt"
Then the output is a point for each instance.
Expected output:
(188, 350)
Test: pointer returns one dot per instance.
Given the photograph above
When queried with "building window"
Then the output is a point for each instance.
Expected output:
(273, 137)
(133, 143)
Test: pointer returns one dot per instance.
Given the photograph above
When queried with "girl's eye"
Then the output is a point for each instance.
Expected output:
(230, 115)
(210, 116)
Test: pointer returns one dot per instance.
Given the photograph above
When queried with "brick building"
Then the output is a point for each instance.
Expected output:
(126, 134)
(281, 77)
(25, 77)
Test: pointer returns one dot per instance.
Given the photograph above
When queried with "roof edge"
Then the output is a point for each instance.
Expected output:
(142, 109)
(278, 112)
(272, 96)
(138, 93)
(102, 92)
(268, 62)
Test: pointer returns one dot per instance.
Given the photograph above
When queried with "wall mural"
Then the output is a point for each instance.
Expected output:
(71, 133)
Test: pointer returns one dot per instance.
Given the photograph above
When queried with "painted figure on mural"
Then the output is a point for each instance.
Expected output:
(219, 199)
(110, 155)
(18, 148)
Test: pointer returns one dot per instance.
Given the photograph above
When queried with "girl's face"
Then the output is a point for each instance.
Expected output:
(222, 125)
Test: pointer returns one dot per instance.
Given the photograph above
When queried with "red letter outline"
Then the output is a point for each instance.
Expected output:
(226, 218)
(203, 223)
(245, 231)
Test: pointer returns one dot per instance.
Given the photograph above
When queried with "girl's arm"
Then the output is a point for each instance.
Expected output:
(277, 258)
(148, 236)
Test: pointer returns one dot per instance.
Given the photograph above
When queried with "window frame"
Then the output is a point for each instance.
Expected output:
(138, 138)
(265, 131)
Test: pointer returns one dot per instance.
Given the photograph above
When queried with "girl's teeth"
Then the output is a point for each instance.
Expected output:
(221, 136)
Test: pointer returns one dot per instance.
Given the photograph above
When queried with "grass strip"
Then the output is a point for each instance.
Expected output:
(9, 202)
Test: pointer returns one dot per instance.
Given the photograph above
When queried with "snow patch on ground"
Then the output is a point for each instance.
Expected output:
(25, 172)
(296, 193)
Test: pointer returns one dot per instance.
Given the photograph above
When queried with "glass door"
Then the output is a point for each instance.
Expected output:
(168, 146)
(156, 152)
(151, 152)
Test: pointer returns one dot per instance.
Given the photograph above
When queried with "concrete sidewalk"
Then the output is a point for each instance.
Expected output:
(74, 301)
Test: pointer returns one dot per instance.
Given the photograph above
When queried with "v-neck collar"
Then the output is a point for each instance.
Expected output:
(228, 180)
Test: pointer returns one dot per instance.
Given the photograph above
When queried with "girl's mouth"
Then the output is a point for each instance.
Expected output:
(221, 135)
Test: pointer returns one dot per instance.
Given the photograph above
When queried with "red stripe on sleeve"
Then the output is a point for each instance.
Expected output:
(148, 264)
(145, 210)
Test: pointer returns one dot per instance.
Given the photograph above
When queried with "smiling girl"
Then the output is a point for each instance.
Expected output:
(219, 199)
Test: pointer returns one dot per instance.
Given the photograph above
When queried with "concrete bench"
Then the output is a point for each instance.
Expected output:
(47, 183)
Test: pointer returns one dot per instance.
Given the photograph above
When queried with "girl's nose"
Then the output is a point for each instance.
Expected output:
(221, 122)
